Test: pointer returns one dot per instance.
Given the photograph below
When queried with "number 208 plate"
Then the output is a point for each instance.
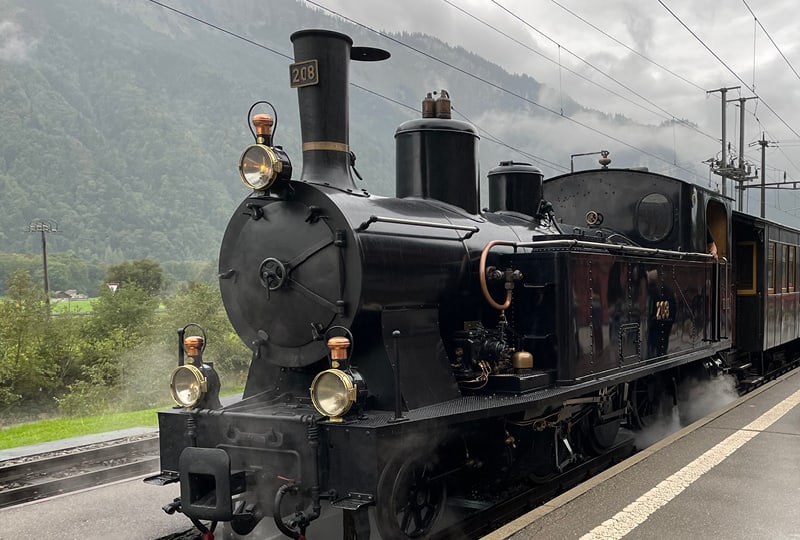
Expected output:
(303, 74)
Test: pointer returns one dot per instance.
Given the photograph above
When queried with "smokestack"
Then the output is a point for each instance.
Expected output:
(320, 74)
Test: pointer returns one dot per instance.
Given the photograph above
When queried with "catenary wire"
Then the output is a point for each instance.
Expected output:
(668, 70)
(603, 73)
(721, 61)
(664, 114)
(771, 40)
(492, 139)
(502, 89)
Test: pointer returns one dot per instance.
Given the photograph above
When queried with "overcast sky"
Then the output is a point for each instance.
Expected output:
(670, 67)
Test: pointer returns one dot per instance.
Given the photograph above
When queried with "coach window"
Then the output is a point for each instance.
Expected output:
(771, 268)
(784, 266)
(791, 267)
(654, 217)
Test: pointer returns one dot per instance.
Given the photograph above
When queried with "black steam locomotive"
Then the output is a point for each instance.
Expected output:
(416, 348)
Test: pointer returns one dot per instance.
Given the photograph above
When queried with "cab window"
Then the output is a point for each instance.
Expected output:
(654, 217)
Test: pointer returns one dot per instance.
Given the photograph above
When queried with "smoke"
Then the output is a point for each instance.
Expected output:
(696, 399)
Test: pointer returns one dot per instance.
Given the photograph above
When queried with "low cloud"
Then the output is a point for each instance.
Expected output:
(13, 45)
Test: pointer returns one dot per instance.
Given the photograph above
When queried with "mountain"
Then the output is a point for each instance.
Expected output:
(123, 121)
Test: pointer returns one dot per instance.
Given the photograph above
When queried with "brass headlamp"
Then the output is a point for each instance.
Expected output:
(259, 167)
(262, 164)
(187, 385)
(335, 391)
(194, 383)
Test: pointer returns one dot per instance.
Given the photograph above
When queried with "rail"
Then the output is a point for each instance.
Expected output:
(28, 479)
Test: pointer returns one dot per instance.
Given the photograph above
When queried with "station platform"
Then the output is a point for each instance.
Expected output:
(734, 474)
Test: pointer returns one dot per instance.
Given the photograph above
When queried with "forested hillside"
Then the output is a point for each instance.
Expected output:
(123, 121)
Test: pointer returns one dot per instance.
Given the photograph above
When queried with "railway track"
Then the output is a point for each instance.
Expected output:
(53, 473)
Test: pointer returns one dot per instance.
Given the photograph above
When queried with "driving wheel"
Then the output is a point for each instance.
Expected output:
(411, 495)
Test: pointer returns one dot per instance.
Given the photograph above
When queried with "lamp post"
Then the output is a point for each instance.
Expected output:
(44, 226)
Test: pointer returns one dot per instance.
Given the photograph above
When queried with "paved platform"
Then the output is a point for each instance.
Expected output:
(734, 474)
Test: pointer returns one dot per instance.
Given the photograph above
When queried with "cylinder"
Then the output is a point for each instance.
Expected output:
(320, 73)
(515, 187)
(438, 159)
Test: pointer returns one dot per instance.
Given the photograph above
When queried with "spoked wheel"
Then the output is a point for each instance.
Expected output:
(411, 496)
(648, 402)
(601, 434)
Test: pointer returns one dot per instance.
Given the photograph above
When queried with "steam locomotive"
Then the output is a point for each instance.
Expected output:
(416, 348)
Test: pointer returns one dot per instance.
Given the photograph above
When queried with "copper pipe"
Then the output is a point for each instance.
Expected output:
(482, 276)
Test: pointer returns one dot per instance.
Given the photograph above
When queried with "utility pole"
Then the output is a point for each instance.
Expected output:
(44, 226)
(741, 174)
(723, 162)
(764, 143)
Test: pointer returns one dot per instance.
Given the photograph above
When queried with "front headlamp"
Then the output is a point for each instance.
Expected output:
(259, 167)
(188, 385)
(333, 392)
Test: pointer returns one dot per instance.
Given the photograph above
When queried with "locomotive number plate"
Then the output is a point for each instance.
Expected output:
(303, 74)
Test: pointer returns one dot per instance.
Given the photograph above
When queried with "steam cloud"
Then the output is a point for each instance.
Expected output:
(696, 399)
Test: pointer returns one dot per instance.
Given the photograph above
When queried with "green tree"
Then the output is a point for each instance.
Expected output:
(25, 367)
(146, 274)
(110, 350)
(201, 303)
(129, 309)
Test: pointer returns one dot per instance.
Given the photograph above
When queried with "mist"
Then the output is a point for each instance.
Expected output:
(696, 399)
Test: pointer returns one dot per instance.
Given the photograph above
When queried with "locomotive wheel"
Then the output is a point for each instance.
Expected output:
(600, 436)
(648, 402)
(411, 496)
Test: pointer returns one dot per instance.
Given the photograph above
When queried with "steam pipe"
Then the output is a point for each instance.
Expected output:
(482, 276)
(314, 510)
(276, 511)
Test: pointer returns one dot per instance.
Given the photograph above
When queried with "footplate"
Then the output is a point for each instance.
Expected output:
(354, 501)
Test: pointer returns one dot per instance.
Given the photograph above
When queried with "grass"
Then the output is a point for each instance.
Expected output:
(83, 306)
(63, 428)
(72, 306)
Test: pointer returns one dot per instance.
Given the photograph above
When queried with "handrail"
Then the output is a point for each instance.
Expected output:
(399, 221)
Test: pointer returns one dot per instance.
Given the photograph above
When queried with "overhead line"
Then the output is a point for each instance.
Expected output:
(668, 70)
(771, 40)
(536, 158)
(201, 21)
(631, 49)
(501, 88)
(378, 94)
(728, 68)
(666, 116)
(601, 72)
